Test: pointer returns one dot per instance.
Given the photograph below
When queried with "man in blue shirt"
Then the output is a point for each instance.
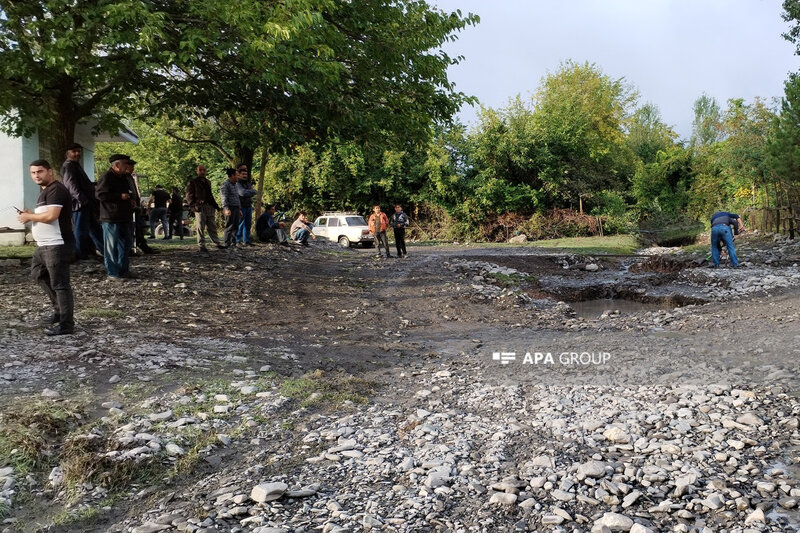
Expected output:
(721, 223)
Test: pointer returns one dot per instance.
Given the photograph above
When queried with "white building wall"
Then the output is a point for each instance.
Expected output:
(12, 189)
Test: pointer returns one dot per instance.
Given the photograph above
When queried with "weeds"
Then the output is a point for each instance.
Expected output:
(506, 280)
(315, 388)
(31, 434)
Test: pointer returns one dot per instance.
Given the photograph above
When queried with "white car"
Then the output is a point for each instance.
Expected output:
(345, 228)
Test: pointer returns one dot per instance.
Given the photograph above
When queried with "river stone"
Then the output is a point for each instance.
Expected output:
(503, 498)
(267, 492)
(593, 469)
(749, 419)
(639, 528)
(615, 522)
(755, 516)
(617, 435)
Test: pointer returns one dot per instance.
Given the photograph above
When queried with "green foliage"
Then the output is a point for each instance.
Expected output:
(783, 145)
(663, 185)
(64, 61)
(580, 117)
(728, 173)
(707, 125)
(648, 135)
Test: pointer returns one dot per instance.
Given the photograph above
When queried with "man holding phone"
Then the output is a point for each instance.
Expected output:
(55, 245)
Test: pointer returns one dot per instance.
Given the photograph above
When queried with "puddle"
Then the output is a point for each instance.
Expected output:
(592, 309)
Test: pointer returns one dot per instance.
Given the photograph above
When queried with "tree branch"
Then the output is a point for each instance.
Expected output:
(212, 142)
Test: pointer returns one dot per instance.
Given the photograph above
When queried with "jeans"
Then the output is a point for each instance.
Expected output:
(400, 241)
(723, 233)
(232, 226)
(380, 238)
(205, 219)
(156, 214)
(118, 238)
(86, 228)
(301, 235)
(245, 225)
(50, 270)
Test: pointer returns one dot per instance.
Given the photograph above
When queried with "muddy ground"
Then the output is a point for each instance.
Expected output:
(266, 315)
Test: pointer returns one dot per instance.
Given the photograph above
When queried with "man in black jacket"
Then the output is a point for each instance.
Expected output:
(86, 227)
(201, 201)
(116, 215)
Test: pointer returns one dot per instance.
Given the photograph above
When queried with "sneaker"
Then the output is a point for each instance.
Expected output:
(305, 244)
(248, 243)
(58, 330)
(116, 279)
(221, 246)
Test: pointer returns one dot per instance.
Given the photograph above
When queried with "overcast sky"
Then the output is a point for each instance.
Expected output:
(671, 51)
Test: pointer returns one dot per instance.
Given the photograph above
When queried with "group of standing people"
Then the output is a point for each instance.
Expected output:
(237, 195)
(379, 223)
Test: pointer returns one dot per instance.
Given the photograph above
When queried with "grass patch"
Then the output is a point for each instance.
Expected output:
(506, 280)
(101, 312)
(613, 244)
(32, 433)
(17, 252)
(316, 388)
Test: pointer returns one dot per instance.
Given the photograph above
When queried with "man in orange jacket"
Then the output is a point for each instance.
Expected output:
(378, 222)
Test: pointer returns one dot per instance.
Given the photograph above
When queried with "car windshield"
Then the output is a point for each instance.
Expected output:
(356, 221)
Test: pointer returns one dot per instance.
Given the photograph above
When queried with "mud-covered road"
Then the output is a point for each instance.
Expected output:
(457, 340)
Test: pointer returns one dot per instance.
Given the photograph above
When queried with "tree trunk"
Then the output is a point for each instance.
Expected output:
(260, 185)
(243, 155)
(62, 133)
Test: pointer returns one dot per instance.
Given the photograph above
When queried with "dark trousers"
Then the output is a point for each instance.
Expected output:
(275, 235)
(87, 231)
(50, 270)
(400, 241)
(156, 214)
(232, 226)
(381, 238)
(138, 229)
(175, 223)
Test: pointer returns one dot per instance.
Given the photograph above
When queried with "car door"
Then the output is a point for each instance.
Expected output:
(321, 227)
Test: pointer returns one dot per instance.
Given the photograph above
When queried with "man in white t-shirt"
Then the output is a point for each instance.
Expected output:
(55, 245)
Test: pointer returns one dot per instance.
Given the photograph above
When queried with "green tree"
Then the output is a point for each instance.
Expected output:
(648, 135)
(580, 118)
(783, 145)
(707, 125)
(66, 61)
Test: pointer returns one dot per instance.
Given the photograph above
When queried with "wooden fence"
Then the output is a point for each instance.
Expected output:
(784, 220)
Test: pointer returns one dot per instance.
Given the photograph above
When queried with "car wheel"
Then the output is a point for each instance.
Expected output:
(344, 242)
(369, 244)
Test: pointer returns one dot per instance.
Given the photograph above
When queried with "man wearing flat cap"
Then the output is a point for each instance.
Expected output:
(85, 224)
(116, 214)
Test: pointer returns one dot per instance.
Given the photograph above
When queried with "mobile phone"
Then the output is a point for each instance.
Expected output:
(17, 209)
